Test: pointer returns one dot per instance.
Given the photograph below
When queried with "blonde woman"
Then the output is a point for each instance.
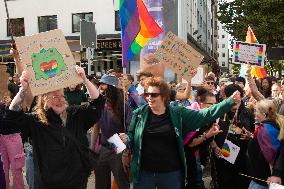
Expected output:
(264, 161)
(57, 159)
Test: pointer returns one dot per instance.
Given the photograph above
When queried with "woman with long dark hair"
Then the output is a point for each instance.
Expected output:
(115, 118)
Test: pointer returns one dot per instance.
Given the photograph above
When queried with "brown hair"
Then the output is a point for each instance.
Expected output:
(145, 74)
(268, 108)
(161, 85)
(40, 109)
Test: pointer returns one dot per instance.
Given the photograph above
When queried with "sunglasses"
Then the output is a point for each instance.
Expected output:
(153, 95)
(210, 83)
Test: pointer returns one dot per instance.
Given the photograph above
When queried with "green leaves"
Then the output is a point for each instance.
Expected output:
(266, 17)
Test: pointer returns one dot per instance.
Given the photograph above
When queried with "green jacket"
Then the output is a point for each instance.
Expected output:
(184, 120)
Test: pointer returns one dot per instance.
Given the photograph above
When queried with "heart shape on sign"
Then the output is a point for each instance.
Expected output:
(44, 66)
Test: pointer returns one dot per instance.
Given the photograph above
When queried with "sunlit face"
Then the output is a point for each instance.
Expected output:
(142, 80)
(210, 100)
(56, 101)
(275, 91)
(265, 84)
(209, 85)
(125, 82)
(154, 97)
(259, 116)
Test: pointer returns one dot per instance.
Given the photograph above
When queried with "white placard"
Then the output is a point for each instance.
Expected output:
(249, 52)
(116, 143)
(230, 151)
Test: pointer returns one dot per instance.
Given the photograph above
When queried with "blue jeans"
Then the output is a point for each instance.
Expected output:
(152, 180)
(29, 165)
(254, 185)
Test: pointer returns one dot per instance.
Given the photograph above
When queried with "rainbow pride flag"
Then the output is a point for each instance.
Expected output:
(137, 28)
(256, 71)
(250, 38)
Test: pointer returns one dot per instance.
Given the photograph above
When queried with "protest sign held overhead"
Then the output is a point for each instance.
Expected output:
(48, 60)
(249, 52)
(178, 56)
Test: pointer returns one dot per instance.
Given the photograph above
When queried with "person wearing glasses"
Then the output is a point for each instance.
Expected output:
(56, 155)
(237, 126)
(156, 135)
(209, 84)
(196, 143)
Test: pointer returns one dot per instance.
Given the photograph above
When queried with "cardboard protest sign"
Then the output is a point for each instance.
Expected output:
(48, 60)
(249, 52)
(230, 151)
(178, 56)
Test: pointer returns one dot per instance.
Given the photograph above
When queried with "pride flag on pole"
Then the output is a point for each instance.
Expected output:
(256, 71)
(250, 38)
(137, 28)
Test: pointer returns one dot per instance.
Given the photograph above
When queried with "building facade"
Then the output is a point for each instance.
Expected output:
(223, 48)
(28, 17)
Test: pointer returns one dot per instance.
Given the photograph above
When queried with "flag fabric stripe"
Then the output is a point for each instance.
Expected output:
(250, 38)
(152, 28)
(137, 28)
(256, 71)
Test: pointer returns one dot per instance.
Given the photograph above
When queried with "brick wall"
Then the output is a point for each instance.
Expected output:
(3, 81)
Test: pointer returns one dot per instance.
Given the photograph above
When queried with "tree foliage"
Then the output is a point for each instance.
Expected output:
(266, 17)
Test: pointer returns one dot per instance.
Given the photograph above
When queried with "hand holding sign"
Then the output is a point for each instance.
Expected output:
(24, 80)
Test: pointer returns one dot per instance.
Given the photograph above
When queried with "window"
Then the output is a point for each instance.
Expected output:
(117, 22)
(197, 17)
(17, 27)
(223, 64)
(208, 35)
(223, 55)
(46, 23)
(223, 36)
(223, 45)
(80, 16)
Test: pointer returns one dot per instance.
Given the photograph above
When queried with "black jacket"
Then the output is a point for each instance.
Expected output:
(58, 159)
(245, 119)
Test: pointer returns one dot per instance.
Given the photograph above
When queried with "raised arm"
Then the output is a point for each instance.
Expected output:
(18, 100)
(92, 90)
(193, 120)
(252, 85)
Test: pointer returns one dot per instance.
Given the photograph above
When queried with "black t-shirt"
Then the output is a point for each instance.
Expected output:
(159, 145)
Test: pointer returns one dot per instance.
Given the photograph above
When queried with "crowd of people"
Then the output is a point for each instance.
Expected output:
(171, 132)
